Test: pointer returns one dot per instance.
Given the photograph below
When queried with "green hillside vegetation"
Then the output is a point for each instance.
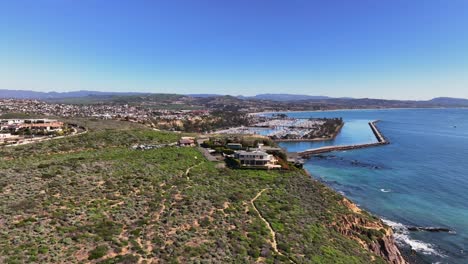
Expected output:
(19, 116)
(91, 198)
(120, 99)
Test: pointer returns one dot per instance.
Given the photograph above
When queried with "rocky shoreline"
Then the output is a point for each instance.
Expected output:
(384, 246)
(357, 226)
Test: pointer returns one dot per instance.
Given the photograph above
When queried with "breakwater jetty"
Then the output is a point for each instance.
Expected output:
(381, 140)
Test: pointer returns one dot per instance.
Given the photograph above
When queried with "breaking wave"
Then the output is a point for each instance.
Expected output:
(401, 234)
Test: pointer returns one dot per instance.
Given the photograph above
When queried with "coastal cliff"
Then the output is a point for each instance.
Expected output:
(325, 223)
(370, 232)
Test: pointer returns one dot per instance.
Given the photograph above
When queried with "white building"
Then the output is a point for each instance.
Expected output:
(256, 158)
(5, 135)
(37, 124)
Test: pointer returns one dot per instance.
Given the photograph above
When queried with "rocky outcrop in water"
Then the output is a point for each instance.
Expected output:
(429, 229)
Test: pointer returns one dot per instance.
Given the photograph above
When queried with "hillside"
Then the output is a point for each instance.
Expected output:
(260, 102)
(450, 101)
(25, 94)
(287, 97)
(93, 199)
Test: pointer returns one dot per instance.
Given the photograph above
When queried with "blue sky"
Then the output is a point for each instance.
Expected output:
(396, 49)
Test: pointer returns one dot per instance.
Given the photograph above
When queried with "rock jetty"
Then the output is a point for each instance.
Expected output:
(381, 140)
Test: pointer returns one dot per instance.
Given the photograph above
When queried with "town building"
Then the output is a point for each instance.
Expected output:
(6, 136)
(15, 125)
(234, 146)
(187, 142)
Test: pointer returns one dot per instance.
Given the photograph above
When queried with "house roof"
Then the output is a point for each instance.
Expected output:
(256, 152)
(51, 124)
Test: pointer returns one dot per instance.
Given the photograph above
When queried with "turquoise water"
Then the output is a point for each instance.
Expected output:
(420, 179)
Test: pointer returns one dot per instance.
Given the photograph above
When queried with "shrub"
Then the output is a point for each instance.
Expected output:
(98, 252)
(232, 163)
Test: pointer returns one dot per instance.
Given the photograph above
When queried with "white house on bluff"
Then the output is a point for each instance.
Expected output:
(256, 158)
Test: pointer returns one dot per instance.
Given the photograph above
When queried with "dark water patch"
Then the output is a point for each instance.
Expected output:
(341, 161)
(328, 182)
(340, 187)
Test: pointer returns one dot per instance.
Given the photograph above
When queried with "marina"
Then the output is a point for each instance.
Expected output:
(292, 129)
(380, 141)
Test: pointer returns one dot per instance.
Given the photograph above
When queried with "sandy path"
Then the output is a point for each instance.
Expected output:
(274, 245)
(188, 170)
(273, 242)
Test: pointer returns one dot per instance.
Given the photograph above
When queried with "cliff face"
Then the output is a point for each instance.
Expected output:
(370, 232)
(387, 248)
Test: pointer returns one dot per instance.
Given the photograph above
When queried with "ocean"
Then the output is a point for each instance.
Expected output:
(419, 180)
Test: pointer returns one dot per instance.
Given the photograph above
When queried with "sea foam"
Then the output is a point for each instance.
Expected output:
(401, 234)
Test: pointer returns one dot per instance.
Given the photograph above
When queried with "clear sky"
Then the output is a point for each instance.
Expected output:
(399, 49)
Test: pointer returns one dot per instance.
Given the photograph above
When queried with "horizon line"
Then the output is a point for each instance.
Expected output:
(234, 95)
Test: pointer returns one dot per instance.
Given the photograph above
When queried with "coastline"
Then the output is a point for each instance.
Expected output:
(380, 179)
(391, 250)
(385, 246)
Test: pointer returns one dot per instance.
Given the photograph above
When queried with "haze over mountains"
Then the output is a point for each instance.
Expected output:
(286, 97)
(26, 94)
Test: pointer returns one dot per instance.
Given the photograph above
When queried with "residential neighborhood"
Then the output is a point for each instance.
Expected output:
(33, 125)
(21, 131)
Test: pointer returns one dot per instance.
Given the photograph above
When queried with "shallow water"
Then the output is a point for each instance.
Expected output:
(420, 179)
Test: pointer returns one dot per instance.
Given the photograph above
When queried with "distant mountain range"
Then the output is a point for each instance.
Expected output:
(284, 98)
(272, 97)
(449, 100)
(204, 95)
(24, 94)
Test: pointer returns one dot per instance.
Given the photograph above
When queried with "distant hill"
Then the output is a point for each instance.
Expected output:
(204, 95)
(85, 96)
(285, 97)
(450, 101)
(25, 94)
(269, 97)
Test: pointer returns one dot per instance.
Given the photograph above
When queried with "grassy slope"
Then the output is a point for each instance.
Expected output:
(92, 198)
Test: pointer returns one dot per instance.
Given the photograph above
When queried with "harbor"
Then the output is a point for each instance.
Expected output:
(291, 129)
(381, 140)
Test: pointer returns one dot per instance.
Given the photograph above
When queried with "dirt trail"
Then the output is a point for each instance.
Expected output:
(273, 242)
(274, 245)
(188, 170)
